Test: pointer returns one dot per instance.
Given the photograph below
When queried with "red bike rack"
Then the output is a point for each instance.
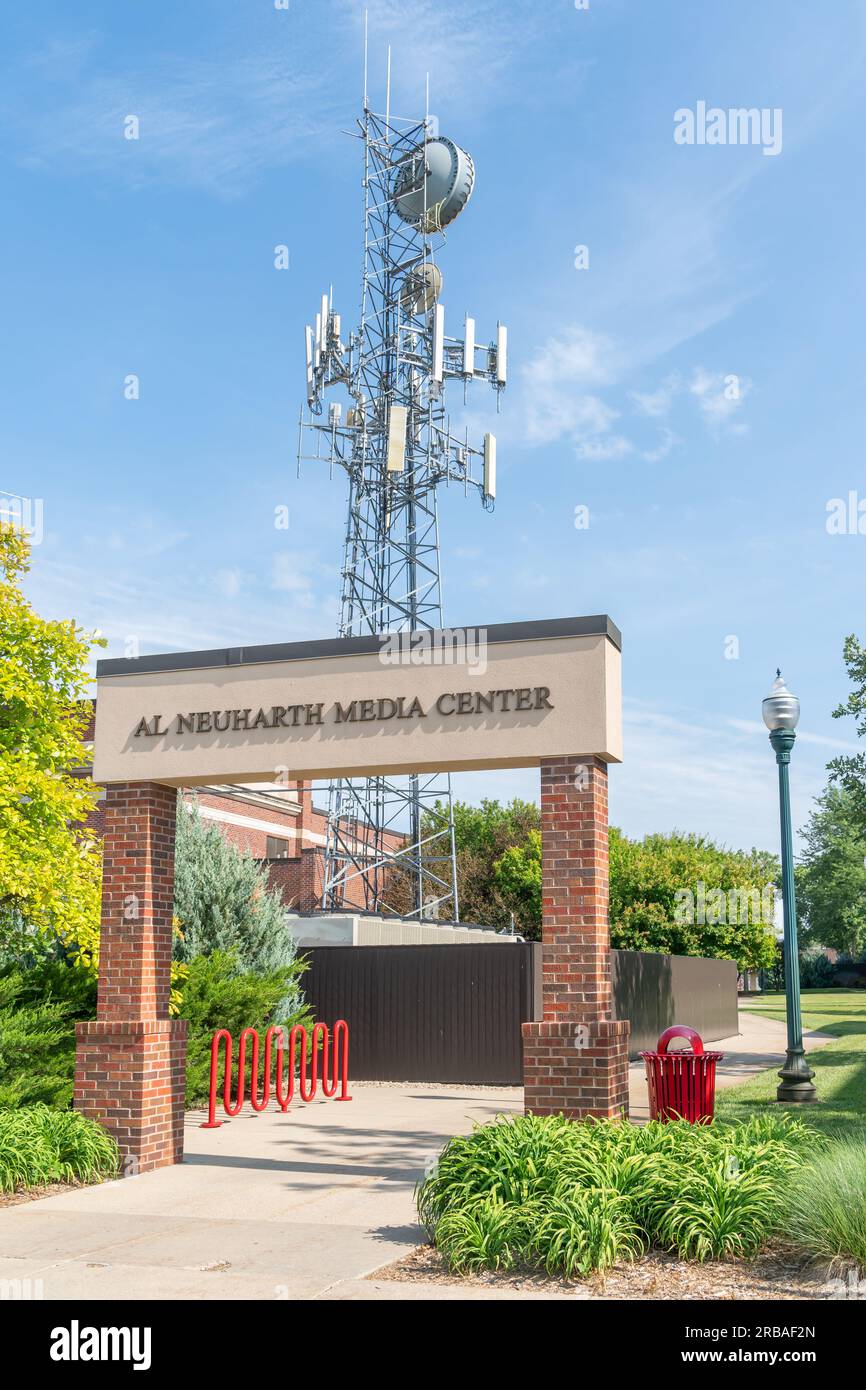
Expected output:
(303, 1057)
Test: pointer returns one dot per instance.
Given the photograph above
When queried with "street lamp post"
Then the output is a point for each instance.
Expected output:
(781, 711)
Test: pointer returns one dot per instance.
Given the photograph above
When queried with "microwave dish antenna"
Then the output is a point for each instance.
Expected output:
(433, 184)
(421, 289)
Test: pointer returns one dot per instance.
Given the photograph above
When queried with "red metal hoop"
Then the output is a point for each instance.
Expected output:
(303, 1058)
(680, 1030)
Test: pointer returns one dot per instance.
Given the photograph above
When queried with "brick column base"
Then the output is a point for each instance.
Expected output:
(576, 1069)
(130, 1076)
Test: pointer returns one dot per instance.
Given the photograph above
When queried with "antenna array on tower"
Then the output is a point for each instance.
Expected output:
(397, 447)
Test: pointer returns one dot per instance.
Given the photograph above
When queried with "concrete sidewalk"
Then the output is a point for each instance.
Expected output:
(267, 1207)
(296, 1206)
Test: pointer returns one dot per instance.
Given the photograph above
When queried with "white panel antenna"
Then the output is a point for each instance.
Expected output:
(309, 345)
(326, 315)
(438, 342)
(501, 354)
(397, 422)
(469, 348)
(489, 485)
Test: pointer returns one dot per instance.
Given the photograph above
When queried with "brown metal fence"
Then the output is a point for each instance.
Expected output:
(453, 1013)
(654, 991)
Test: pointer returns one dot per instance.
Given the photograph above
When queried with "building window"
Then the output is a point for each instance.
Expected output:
(276, 848)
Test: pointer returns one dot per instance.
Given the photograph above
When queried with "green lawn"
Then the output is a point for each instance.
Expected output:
(840, 1066)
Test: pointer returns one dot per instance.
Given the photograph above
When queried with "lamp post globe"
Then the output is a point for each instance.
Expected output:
(781, 713)
(781, 709)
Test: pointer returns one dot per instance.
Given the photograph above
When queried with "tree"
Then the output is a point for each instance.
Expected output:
(483, 834)
(518, 877)
(222, 902)
(677, 894)
(849, 772)
(49, 867)
(685, 896)
(831, 880)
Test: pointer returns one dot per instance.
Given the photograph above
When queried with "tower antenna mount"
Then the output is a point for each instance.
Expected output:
(390, 841)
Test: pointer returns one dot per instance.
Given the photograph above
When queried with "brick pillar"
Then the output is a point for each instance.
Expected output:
(575, 1061)
(130, 1064)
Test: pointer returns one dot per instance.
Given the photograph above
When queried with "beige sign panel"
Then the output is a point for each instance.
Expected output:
(470, 698)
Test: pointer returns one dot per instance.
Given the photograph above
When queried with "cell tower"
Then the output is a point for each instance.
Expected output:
(397, 448)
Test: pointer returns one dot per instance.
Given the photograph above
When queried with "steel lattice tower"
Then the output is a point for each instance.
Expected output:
(396, 447)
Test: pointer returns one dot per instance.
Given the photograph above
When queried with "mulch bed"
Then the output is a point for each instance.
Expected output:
(35, 1194)
(777, 1274)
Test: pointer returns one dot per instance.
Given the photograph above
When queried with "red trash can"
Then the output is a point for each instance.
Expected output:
(682, 1084)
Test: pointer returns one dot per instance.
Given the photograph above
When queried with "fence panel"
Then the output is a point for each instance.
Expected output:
(453, 1013)
(427, 1013)
(654, 991)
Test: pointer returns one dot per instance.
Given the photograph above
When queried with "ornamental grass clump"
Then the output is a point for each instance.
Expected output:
(40, 1146)
(825, 1207)
(715, 1210)
(576, 1197)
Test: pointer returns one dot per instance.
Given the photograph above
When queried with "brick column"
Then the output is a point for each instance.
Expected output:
(575, 1061)
(130, 1064)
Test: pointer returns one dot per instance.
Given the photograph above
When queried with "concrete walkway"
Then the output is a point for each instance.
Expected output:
(297, 1206)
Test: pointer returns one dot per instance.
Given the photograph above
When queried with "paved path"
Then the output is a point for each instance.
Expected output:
(296, 1206)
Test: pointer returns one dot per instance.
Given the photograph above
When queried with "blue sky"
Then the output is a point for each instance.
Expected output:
(706, 262)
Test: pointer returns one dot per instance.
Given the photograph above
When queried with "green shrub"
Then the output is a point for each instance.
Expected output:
(39, 1145)
(816, 971)
(485, 1235)
(222, 902)
(825, 1206)
(572, 1197)
(219, 994)
(593, 1228)
(39, 1006)
(713, 1211)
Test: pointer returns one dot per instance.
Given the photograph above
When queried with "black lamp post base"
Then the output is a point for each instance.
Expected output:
(796, 1085)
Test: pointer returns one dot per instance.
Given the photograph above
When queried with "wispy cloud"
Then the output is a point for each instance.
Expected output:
(730, 795)
(304, 576)
(720, 399)
(657, 404)
(127, 601)
(558, 387)
(605, 449)
(204, 124)
(424, 40)
(667, 441)
(259, 94)
(560, 394)
(834, 745)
